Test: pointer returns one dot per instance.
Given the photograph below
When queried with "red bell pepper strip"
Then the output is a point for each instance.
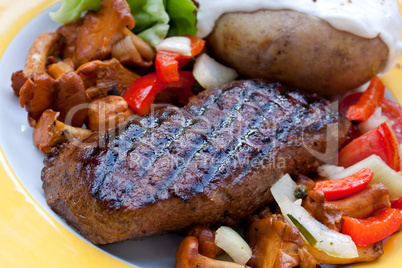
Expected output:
(348, 101)
(140, 95)
(397, 204)
(380, 141)
(341, 188)
(367, 103)
(167, 64)
(373, 229)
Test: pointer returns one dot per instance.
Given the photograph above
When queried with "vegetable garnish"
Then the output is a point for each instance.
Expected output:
(168, 63)
(210, 73)
(397, 204)
(389, 109)
(154, 19)
(382, 174)
(373, 229)
(309, 237)
(71, 10)
(141, 93)
(233, 244)
(348, 101)
(151, 20)
(380, 141)
(342, 188)
(331, 242)
(284, 186)
(367, 103)
(183, 17)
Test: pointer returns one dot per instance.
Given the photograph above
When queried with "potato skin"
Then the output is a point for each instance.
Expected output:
(297, 49)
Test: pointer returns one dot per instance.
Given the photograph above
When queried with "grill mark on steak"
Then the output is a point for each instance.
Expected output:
(206, 146)
(201, 143)
(148, 125)
(207, 163)
(134, 136)
(152, 152)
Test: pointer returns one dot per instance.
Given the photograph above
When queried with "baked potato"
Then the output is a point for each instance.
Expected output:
(298, 49)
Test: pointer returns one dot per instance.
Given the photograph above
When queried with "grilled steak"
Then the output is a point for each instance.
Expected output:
(211, 162)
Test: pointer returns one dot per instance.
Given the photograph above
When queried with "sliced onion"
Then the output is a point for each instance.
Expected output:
(210, 73)
(233, 244)
(285, 186)
(315, 233)
(327, 170)
(374, 121)
(179, 44)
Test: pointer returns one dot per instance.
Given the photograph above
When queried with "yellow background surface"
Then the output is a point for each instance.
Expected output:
(29, 237)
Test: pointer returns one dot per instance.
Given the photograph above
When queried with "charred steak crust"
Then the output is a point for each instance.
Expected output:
(211, 162)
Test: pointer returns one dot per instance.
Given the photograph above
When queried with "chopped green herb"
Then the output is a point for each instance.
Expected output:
(310, 239)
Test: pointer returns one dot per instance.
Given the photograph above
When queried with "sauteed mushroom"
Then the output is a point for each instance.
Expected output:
(101, 76)
(101, 29)
(58, 69)
(366, 254)
(49, 132)
(206, 240)
(132, 50)
(36, 95)
(71, 99)
(107, 113)
(275, 243)
(36, 60)
(187, 256)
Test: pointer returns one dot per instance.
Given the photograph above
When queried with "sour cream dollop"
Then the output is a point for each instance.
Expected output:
(365, 18)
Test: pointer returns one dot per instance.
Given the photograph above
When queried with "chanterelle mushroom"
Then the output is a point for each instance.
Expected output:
(102, 76)
(36, 95)
(366, 254)
(35, 63)
(206, 240)
(187, 256)
(108, 112)
(101, 30)
(132, 50)
(275, 243)
(58, 69)
(71, 99)
(49, 132)
(69, 36)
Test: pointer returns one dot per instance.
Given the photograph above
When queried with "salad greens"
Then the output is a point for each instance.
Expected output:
(70, 10)
(154, 19)
(183, 17)
(151, 19)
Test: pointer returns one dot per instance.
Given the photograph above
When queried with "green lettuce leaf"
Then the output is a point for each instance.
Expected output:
(183, 17)
(151, 19)
(71, 10)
